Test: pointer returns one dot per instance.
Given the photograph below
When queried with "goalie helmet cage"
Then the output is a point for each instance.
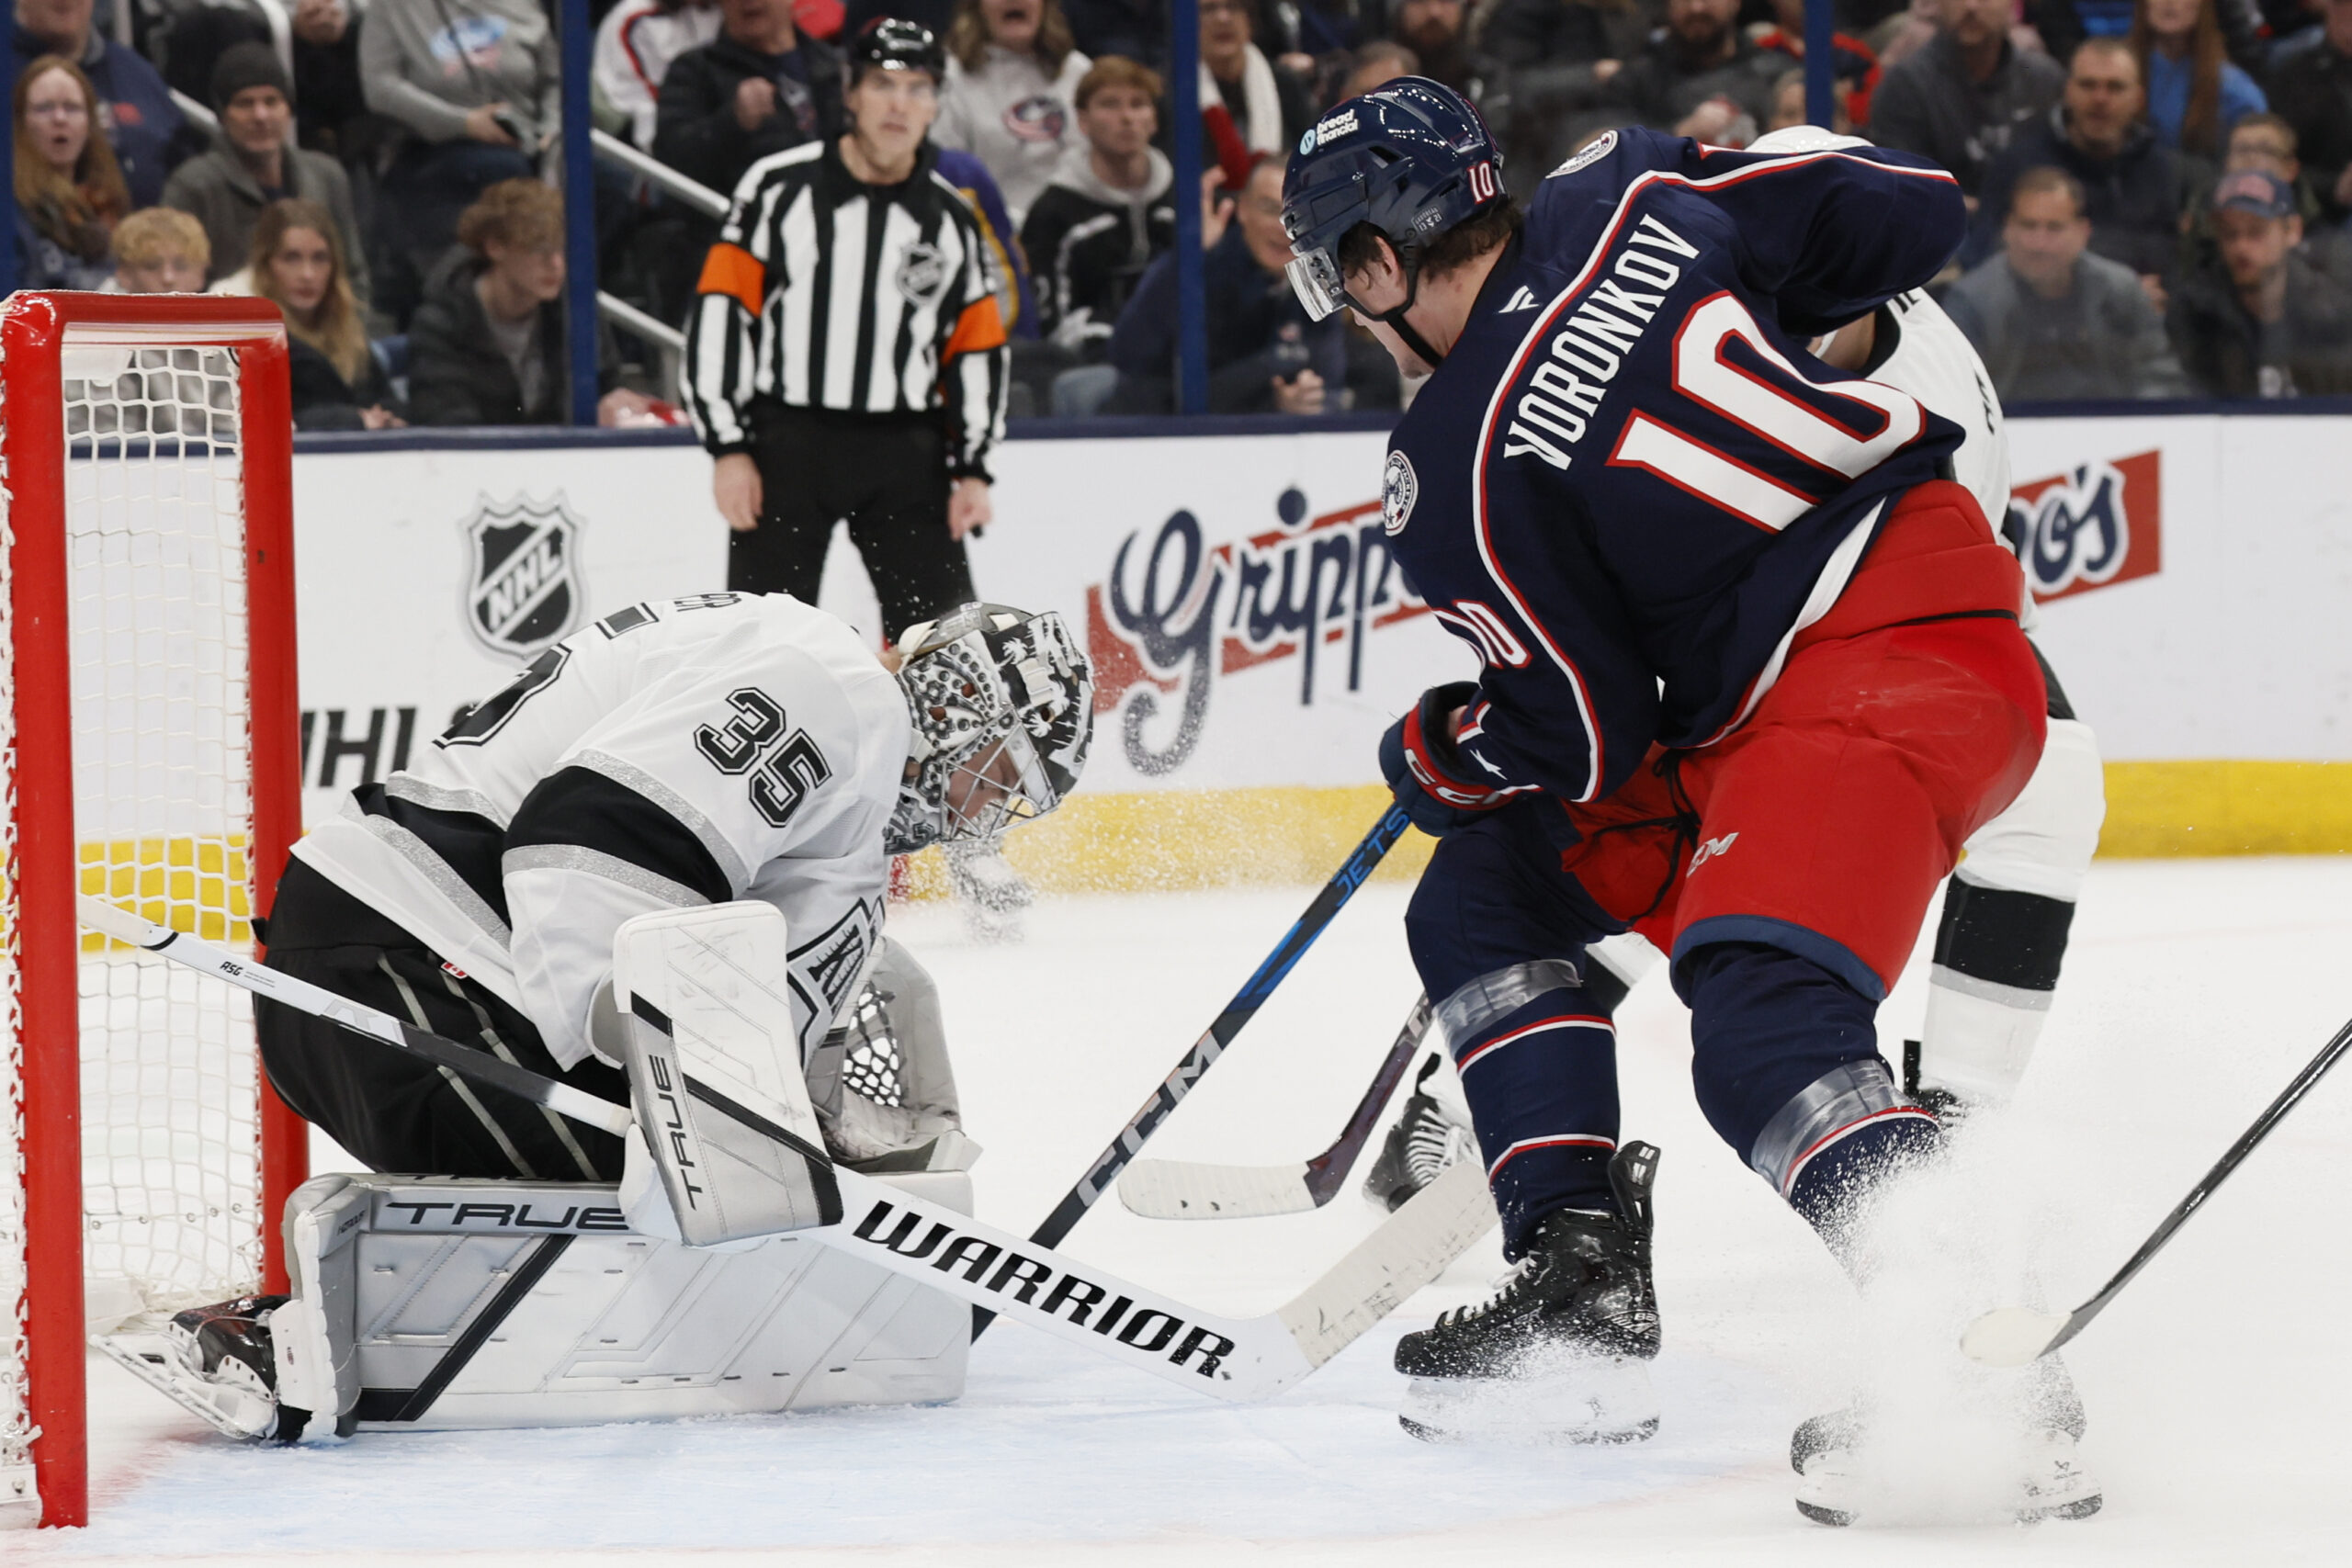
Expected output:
(152, 756)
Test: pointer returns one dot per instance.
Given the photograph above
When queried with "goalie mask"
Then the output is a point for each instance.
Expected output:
(1003, 707)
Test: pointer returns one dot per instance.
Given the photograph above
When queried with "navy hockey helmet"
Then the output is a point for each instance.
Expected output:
(892, 43)
(1413, 159)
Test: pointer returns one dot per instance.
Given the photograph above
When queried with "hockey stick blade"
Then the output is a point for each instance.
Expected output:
(1180, 1189)
(1328, 902)
(1231, 1359)
(196, 953)
(2010, 1337)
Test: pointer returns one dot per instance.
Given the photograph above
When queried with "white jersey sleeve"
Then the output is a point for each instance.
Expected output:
(757, 752)
(1932, 359)
(678, 753)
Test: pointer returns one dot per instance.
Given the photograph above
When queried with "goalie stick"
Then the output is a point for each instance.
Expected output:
(2010, 1337)
(1231, 1359)
(1328, 900)
(1180, 1189)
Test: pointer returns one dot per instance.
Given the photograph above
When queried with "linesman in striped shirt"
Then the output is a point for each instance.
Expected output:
(846, 357)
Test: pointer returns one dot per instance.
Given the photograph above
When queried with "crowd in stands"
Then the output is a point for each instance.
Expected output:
(2160, 189)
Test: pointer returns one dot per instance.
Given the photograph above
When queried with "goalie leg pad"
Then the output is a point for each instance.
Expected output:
(715, 1078)
(437, 1304)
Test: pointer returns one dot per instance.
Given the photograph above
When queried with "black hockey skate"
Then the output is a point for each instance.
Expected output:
(1562, 1352)
(216, 1360)
(1424, 1141)
(1835, 1487)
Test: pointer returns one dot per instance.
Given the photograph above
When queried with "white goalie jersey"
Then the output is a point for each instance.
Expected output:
(686, 751)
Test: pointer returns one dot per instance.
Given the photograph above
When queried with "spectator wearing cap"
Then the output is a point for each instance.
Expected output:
(257, 163)
(145, 128)
(2313, 92)
(2265, 323)
(2098, 133)
(2267, 141)
(2053, 321)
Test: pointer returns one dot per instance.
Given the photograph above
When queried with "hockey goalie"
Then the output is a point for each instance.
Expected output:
(683, 814)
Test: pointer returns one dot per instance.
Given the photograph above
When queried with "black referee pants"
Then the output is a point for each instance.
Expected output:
(392, 1111)
(888, 475)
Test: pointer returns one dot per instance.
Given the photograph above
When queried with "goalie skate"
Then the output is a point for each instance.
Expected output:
(1428, 1136)
(214, 1360)
(1561, 1353)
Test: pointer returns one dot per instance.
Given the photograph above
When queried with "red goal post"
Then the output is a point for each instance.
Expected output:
(153, 757)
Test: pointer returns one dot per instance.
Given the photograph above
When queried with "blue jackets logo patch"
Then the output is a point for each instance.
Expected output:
(1399, 488)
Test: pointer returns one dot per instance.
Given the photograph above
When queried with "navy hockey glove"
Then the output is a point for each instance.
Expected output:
(1423, 770)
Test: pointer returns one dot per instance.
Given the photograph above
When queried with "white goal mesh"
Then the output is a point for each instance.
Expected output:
(163, 794)
(154, 519)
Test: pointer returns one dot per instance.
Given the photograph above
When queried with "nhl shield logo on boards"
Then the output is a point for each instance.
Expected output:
(1399, 488)
(523, 591)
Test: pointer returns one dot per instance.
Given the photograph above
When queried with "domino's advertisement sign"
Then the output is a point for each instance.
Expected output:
(1247, 621)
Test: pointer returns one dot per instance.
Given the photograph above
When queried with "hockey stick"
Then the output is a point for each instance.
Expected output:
(1170, 1092)
(1176, 1190)
(2010, 1337)
(300, 995)
(1231, 1359)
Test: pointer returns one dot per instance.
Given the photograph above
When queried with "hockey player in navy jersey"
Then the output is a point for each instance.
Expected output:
(1752, 674)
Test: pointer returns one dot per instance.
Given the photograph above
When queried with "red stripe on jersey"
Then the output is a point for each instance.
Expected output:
(1566, 1140)
(1796, 1166)
(1565, 1021)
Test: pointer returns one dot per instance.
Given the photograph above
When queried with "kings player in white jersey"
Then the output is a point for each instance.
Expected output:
(718, 750)
(677, 753)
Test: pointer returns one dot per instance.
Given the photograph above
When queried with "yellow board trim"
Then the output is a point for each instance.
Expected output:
(1184, 838)
(2223, 808)
(1169, 840)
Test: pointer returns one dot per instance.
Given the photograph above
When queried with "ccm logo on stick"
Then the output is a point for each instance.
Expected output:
(1020, 1279)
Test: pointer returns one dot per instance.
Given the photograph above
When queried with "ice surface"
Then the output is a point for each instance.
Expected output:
(2215, 1385)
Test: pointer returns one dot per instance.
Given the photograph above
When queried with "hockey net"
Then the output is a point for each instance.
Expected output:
(150, 756)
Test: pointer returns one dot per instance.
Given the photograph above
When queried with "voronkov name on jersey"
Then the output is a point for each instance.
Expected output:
(1591, 346)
